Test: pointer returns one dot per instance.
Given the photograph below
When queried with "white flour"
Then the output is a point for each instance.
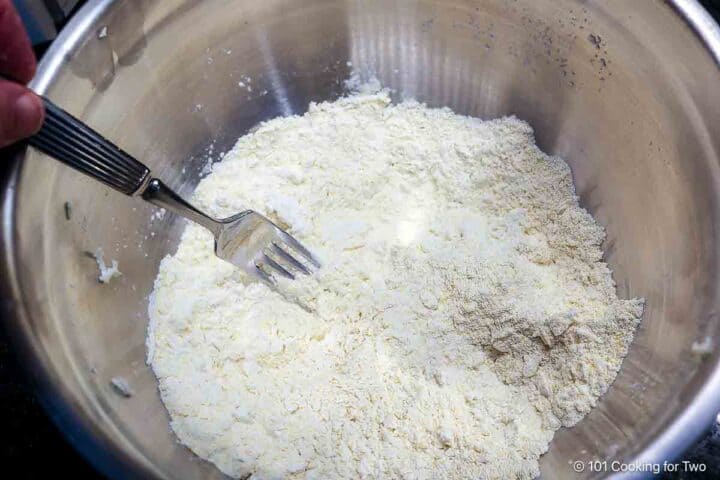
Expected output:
(106, 273)
(461, 316)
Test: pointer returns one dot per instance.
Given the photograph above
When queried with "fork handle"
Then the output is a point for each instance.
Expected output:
(160, 195)
(69, 140)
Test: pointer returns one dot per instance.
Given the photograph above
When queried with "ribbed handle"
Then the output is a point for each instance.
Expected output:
(67, 139)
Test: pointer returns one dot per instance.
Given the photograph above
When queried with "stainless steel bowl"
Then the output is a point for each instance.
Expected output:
(627, 92)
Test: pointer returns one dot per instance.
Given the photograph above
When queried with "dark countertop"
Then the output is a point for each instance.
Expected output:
(32, 448)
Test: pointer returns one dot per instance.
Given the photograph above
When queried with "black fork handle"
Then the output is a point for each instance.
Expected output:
(72, 142)
(69, 140)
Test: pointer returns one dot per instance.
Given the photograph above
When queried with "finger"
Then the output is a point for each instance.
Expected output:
(21, 112)
(17, 60)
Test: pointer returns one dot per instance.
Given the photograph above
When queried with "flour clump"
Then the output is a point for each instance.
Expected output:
(462, 315)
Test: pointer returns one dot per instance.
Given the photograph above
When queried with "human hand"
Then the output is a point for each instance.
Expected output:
(21, 111)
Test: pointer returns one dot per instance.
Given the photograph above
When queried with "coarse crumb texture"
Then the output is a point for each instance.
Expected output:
(461, 316)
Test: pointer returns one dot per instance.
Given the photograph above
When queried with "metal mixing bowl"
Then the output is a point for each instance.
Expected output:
(626, 91)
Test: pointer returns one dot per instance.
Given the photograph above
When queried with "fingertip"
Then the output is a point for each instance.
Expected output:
(29, 114)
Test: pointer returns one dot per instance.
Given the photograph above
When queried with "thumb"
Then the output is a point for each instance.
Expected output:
(21, 112)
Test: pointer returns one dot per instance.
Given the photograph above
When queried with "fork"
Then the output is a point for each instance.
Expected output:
(247, 240)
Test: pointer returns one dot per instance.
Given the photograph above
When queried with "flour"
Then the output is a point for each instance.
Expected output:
(462, 314)
(107, 273)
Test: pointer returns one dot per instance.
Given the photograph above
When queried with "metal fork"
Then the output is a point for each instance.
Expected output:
(247, 240)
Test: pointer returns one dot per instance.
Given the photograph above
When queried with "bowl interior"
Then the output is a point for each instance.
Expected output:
(623, 91)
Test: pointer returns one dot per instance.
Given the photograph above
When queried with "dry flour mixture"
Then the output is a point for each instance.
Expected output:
(462, 314)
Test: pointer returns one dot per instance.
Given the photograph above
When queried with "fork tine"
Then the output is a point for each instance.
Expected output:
(272, 263)
(297, 246)
(289, 258)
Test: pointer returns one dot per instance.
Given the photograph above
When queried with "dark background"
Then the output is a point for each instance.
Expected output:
(32, 448)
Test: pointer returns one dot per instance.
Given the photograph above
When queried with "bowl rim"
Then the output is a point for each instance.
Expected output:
(58, 401)
(95, 444)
